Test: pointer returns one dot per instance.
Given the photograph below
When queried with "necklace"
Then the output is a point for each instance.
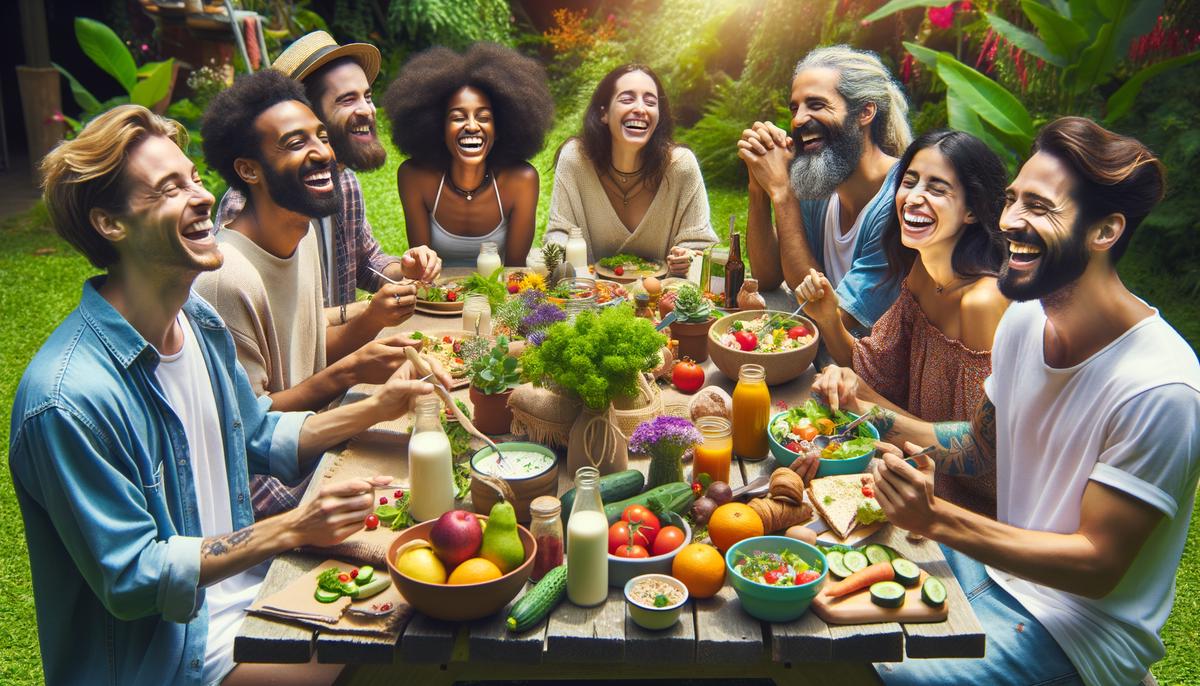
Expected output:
(939, 288)
(626, 176)
(627, 195)
(469, 194)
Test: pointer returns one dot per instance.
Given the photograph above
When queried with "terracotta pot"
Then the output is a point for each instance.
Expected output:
(492, 414)
(693, 339)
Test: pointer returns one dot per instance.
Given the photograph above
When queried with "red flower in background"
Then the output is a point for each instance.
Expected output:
(942, 17)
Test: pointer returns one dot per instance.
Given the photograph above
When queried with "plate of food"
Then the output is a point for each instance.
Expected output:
(610, 293)
(625, 268)
(443, 296)
(452, 349)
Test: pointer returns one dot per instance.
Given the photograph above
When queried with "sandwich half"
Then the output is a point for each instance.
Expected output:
(839, 499)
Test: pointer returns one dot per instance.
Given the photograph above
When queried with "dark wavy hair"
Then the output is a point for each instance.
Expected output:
(980, 249)
(597, 139)
(416, 101)
(228, 126)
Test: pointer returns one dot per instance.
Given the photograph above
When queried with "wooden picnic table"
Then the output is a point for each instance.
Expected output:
(714, 639)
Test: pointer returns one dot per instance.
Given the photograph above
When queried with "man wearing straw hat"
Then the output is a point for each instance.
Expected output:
(338, 80)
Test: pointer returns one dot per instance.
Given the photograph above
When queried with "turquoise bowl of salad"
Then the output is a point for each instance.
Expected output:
(776, 577)
(790, 431)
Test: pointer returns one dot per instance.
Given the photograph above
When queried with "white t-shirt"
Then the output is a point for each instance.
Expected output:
(1127, 417)
(185, 381)
(839, 248)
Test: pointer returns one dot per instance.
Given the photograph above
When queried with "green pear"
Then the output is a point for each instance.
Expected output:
(501, 543)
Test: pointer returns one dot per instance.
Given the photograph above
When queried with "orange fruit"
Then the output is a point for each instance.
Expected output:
(733, 522)
(701, 568)
(474, 571)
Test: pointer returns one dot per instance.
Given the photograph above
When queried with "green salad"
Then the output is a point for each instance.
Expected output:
(627, 260)
(796, 429)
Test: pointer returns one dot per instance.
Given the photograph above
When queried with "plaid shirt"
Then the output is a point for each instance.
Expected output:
(352, 237)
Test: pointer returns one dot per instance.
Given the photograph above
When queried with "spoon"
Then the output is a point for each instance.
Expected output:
(800, 310)
(424, 368)
(822, 441)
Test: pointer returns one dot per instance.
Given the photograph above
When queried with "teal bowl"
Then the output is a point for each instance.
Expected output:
(775, 603)
(854, 465)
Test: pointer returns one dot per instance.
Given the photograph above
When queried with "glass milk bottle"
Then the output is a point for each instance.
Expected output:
(587, 542)
(489, 259)
(430, 466)
(477, 314)
(536, 263)
(577, 251)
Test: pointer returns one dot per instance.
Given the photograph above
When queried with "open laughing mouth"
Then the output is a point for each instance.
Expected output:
(1023, 255)
(197, 231)
(319, 179)
(470, 143)
(636, 127)
(917, 223)
(811, 143)
(362, 131)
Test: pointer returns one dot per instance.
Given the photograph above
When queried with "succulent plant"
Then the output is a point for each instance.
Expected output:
(691, 307)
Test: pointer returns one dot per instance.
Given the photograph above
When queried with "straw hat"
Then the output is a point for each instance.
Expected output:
(313, 50)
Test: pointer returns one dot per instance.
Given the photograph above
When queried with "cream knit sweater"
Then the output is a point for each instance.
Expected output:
(678, 215)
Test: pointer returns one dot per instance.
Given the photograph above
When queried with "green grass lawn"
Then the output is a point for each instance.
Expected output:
(40, 280)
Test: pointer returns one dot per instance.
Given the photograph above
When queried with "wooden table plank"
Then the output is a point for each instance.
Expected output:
(587, 634)
(428, 640)
(676, 644)
(268, 640)
(490, 640)
(348, 649)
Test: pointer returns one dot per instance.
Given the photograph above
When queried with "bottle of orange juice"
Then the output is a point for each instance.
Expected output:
(714, 454)
(751, 413)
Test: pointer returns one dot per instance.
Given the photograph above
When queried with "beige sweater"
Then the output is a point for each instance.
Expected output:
(678, 215)
(273, 308)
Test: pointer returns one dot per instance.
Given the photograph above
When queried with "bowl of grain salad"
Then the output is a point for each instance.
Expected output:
(655, 600)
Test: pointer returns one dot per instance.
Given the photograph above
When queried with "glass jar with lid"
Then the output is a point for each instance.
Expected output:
(546, 527)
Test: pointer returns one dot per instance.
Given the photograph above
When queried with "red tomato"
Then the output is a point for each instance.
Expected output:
(649, 522)
(372, 522)
(619, 535)
(772, 576)
(687, 376)
(451, 296)
(343, 578)
(868, 492)
(670, 538)
(619, 270)
(631, 551)
(799, 332)
(806, 577)
(354, 573)
(746, 339)
(513, 287)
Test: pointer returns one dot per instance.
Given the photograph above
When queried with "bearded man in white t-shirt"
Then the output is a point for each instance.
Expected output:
(1092, 423)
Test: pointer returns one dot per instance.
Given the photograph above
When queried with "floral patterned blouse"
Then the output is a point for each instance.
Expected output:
(909, 361)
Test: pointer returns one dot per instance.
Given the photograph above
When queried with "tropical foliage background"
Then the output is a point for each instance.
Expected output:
(997, 68)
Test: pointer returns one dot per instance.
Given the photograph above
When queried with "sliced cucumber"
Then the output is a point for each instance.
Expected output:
(326, 596)
(365, 574)
(887, 594)
(855, 561)
(907, 573)
(836, 566)
(876, 553)
(933, 592)
(373, 587)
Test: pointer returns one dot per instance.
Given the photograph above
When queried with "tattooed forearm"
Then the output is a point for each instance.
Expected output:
(967, 448)
(220, 545)
(884, 420)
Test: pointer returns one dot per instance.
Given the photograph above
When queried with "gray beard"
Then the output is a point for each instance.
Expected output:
(815, 177)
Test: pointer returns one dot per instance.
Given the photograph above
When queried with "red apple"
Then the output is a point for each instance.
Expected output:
(456, 537)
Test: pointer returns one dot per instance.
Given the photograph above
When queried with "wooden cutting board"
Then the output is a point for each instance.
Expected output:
(857, 608)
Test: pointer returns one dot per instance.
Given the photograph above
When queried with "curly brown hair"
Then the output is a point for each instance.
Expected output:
(597, 139)
(416, 101)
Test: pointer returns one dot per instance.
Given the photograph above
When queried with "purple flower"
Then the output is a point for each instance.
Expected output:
(542, 316)
(536, 337)
(533, 297)
(665, 436)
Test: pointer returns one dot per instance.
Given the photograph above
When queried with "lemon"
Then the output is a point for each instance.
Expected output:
(474, 571)
(421, 564)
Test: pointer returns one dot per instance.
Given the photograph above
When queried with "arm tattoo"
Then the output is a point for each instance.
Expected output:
(967, 448)
(219, 545)
(884, 420)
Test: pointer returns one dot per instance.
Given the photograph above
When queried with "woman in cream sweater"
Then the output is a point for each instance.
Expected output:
(625, 182)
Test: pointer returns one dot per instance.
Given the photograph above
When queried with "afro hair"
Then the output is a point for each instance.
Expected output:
(228, 129)
(416, 101)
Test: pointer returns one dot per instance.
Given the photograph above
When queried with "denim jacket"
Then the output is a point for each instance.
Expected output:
(104, 480)
(865, 291)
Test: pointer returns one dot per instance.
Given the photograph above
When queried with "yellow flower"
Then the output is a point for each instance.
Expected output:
(534, 281)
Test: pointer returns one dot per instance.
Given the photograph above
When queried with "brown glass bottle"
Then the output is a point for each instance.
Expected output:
(735, 271)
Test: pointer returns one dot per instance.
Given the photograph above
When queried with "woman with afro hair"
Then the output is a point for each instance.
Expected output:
(468, 123)
(625, 183)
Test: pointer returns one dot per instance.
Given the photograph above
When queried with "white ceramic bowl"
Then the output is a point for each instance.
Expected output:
(648, 616)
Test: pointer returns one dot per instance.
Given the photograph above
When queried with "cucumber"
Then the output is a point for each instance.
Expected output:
(877, 553)
(907, 573)
(326, 596)
(613, 487)
(854, 561)
(933, 592)
(887, 594)
(365, 574)
(836, 566)
(676, 497)
(539, 601)
(372, 587)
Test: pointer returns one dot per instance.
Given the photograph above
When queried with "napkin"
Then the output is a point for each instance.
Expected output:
(296, 603)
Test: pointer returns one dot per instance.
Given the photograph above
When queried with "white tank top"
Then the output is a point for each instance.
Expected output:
(461, 251)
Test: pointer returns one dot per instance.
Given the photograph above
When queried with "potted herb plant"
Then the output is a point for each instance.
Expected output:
(665, 439)
(493, 378)
(693, 318)
(600, 357)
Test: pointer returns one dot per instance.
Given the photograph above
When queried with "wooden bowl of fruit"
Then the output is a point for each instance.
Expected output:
(435, 586)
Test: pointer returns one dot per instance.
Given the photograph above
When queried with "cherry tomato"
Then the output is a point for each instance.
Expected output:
(746, 340)
(799, 332)
(451, 296)
(794, 446)
(398, 494)
(687, 376)
(513, 287)
(772, 576)
(619, 270)
(354, 573)
(383, 500)
(697, 488)
(372, 522)
(806, 577)
(631, 551)
(868, 492)
(649, 522)
(619, 535)
(343, 578)
(670, 538)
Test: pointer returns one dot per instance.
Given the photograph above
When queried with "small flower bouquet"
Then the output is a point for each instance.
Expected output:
(665, 439)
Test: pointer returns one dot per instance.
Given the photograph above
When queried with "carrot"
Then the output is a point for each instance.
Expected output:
(863, 578)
